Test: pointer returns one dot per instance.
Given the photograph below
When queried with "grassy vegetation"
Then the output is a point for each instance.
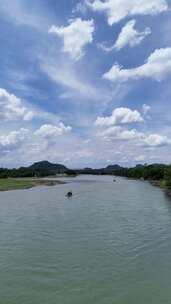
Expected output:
(7, 184)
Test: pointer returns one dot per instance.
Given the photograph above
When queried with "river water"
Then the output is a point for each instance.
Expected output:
(110, 243)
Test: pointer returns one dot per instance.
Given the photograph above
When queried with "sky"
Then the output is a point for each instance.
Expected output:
(85, 83)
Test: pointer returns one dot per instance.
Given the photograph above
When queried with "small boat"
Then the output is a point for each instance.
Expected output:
(114, 180)
(69, 194)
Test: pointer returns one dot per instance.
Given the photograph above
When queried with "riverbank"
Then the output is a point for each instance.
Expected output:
(8, 184)
(161, 184)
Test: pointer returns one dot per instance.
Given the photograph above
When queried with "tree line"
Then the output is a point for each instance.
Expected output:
(28, 172)
(154, 172)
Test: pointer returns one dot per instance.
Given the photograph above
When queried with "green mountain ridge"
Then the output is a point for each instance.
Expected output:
(47, 166)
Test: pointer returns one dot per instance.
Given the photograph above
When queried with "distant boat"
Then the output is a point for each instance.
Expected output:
(114, 180)
(69, 194)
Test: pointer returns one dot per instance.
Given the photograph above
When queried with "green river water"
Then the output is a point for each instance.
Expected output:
(109, 244)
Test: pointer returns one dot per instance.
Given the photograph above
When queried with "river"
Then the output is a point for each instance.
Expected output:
(108, 244)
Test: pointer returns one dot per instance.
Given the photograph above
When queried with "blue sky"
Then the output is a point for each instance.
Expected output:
(85, 83)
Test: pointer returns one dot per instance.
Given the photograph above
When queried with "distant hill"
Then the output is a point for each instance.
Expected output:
(112, 167)
(47, 166)
(108, 170)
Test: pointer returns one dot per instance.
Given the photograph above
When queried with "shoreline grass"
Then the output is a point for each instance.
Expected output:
(7, 184)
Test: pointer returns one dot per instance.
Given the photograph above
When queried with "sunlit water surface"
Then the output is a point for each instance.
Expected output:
(110, 243)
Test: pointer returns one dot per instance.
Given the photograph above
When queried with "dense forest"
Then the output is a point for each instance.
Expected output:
(155, 172)
(23, 172)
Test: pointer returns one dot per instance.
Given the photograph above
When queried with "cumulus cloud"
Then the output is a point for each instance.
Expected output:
(117, 10)
(116, 127)
(121, 133)
(75, 36)
(11, 108)
(13, 137)
(51, 131)
(156, 140)
(130, 36)
(120, 116)
(150, 140)
(157, 67)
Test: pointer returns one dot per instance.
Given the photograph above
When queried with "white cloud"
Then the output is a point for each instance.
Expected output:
(130, 36)
(13, 138)
(120, 116)
(28, 116)
(80, 7)
(77, 87)
(117, 10)
(75, 36)
(20, 13)
(140, 158)
(140, 138)
(157, 66)
(146, 109)
(105, 48)
(113, 128)
(51, 131)
(156, 140)
(121, 133)
(11, 108)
